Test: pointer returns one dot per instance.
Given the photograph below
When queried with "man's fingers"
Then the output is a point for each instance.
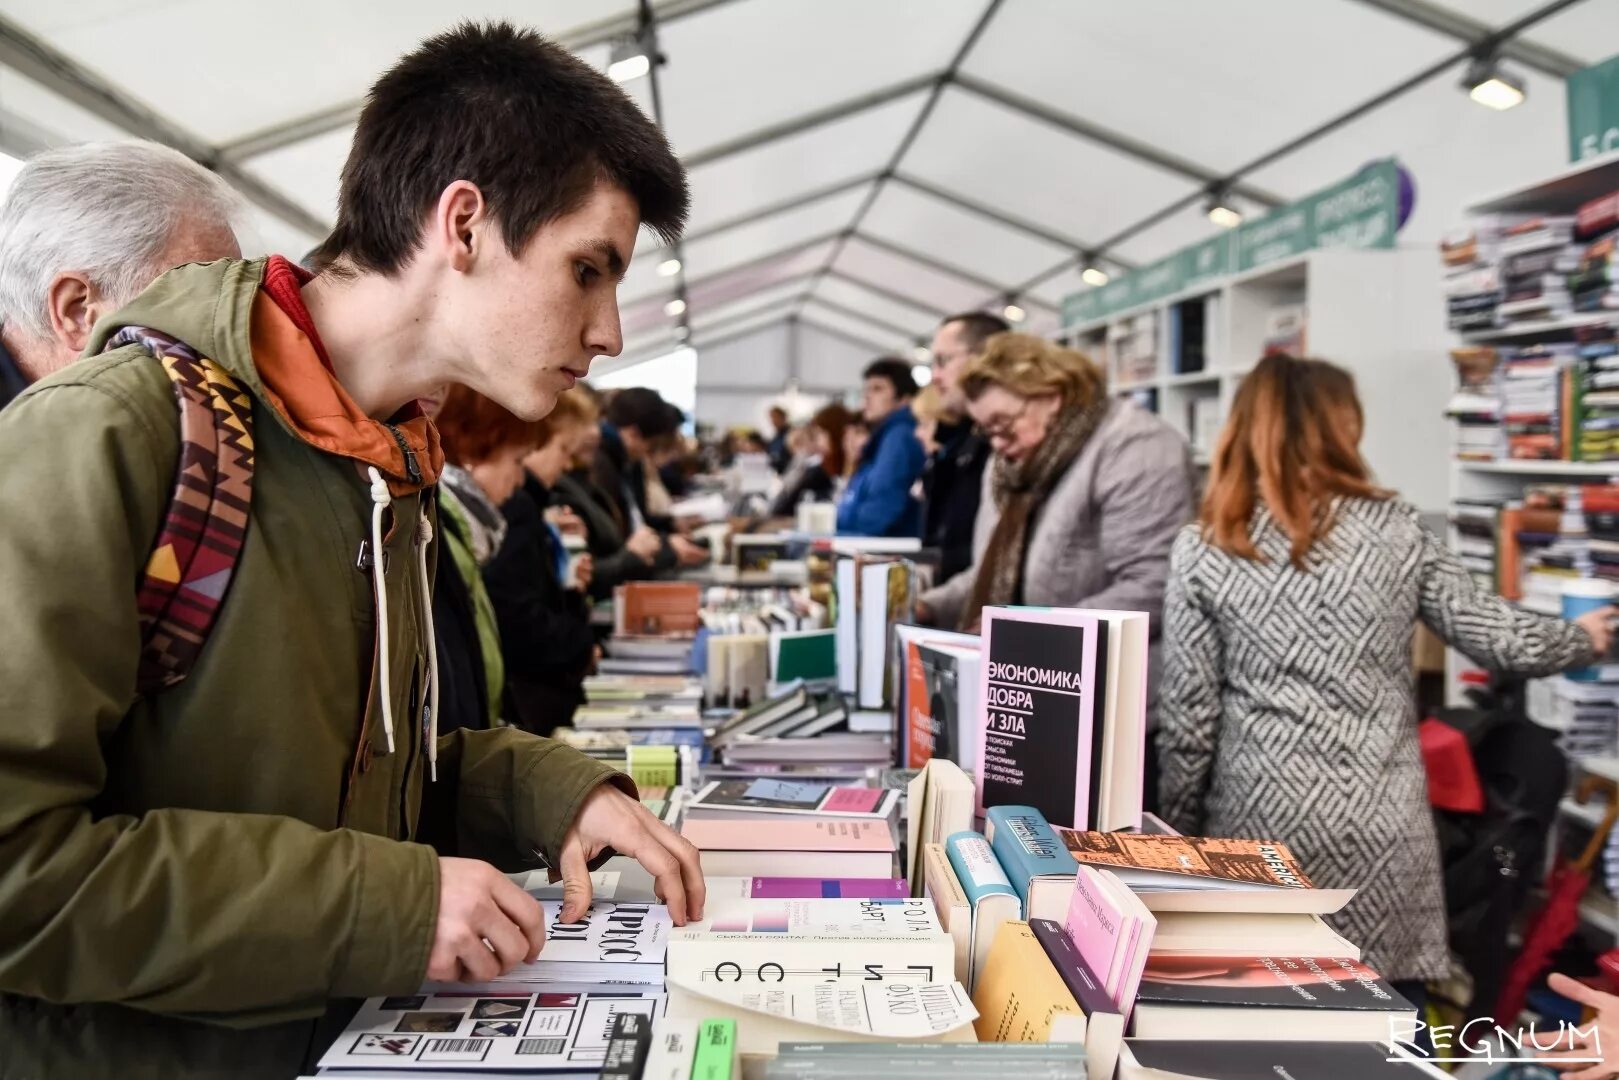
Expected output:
(665, 869)
(1575, 990)
(576, 891)
(506, 939)
(526, 912)
(691, 866)
(481, 964)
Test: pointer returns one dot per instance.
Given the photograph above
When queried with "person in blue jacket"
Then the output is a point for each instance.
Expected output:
(878, 500)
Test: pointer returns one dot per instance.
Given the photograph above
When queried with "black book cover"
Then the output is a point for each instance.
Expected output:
(627, 1047)
(1039, 701)
(1287, 982)
(1241, 1060)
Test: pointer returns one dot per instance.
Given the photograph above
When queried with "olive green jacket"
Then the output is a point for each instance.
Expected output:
(187, 881)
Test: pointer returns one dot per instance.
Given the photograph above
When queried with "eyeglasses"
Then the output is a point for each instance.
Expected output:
(999, 429)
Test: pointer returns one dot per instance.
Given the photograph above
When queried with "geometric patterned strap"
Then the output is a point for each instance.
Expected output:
(200, 540)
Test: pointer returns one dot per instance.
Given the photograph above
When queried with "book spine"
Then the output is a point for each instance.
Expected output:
(1082, 981)
(1026, 846)
(627, 1047)
(977, 869)
(674, 1045)
(715, 1058)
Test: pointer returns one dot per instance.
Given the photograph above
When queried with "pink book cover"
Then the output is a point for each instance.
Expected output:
(1039, 703)
(1144, 927)
(792, 888)
(789, 835)
(1100, 929)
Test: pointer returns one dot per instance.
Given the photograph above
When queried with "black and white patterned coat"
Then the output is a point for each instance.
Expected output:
(1287, 709)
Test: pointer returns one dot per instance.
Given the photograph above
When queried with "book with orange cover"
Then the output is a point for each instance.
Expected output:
(1256, 875)
(657, 608)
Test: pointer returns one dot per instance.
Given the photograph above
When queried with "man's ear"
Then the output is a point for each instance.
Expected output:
(456, 225)
(72, 305)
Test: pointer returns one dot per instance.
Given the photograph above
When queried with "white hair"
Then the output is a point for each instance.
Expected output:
(107, 210)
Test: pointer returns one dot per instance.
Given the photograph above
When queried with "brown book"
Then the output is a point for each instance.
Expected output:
(657, 607)
(1198, 873)
(1020, 997)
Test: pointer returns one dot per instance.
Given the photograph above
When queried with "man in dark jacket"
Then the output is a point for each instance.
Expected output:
(955, 473)
(878, 500)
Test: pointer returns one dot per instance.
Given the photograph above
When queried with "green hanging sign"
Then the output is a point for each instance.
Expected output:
(1593, 110)
(1360, 212)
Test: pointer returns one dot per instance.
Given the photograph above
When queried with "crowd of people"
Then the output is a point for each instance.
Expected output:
(384, 460)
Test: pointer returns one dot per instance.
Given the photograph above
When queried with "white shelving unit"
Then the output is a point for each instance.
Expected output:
(1377, 313)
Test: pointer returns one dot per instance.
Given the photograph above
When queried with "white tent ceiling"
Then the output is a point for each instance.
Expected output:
(865, 165)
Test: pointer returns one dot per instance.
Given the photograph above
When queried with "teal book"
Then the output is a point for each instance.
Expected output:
(1035, 859)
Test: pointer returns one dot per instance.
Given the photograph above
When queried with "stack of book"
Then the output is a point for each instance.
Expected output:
(1538, 423)
(624, 710)
(1585, 714)
(1133, 344)
(1472, 283)
(1476, 404)
(875, 592)
(1592, 283)
(1537, 255)
(1476, 524)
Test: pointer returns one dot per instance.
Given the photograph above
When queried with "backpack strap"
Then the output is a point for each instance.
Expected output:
(201, 537)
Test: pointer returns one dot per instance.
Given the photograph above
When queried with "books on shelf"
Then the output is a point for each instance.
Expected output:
(991, 899)
(1020, 997)
(1286, 328)
(778, 848)
(1065, 704)
(555, 1028)
(1284, 997)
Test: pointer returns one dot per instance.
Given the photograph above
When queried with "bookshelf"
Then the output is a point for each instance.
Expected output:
(1374, 312)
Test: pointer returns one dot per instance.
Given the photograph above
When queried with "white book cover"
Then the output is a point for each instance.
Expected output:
(614, 942)
(848, 1010)
(847, 627)
(561, 1028)
(758, 941)
(674, 1045)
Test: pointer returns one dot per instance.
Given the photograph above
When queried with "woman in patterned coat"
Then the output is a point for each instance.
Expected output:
(1287, 711)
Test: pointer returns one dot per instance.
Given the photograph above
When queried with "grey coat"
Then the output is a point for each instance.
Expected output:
(1103, 537)
(1288, 712)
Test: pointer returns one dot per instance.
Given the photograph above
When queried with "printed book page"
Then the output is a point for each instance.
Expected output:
(563, 1027)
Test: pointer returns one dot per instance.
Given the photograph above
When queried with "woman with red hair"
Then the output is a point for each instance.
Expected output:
(1286, 710)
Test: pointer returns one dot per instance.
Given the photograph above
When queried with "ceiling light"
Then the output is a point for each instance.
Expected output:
(630, 59)
(669, 268)
(922, 374)
(922, 354)
(1094, 276)
(1221, 212)
(675, 307)
(1013, 313)
(1490, 86)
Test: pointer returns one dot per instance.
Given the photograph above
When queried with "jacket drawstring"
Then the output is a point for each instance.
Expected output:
(381, 497)
(424, 536)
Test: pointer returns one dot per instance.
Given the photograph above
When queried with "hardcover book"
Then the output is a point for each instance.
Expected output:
(1035, 860)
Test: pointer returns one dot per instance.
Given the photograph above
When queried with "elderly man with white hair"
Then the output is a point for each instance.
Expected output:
(83, 230)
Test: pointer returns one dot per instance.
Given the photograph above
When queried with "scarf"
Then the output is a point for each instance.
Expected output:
(1018, 488)
(483, 517)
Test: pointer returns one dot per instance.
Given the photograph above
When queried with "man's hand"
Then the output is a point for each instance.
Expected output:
(486, 924)
(690, 554)
(611, 819)
(1606, 1044)
(567, 522)
(645, 544)
(583, 571)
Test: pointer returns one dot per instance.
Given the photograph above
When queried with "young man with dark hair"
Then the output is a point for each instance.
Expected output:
(191, 871)
(954, 478)
(781, 427)
(878, 500)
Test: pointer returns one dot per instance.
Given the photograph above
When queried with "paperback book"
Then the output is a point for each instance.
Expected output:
(560, 1028)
